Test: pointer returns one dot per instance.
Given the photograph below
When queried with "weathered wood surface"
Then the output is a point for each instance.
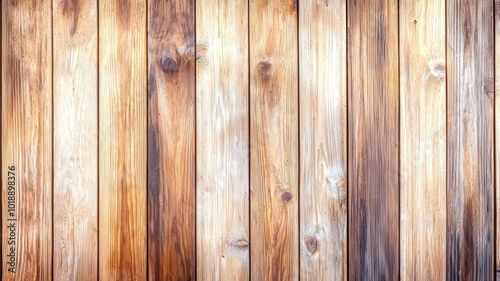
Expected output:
(497, 135)
(27, 137)
(470, 136)
(274, 140)
(222, 140)
(171, 140)
(423, 139)
(122, 140)
(75, 103)
(373, 126)
(323, 135)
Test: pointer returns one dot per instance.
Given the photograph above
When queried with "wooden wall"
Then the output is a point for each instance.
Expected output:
(250, 139)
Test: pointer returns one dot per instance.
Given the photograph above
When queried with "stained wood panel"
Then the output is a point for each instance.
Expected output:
(323, 134)
(222, 140)
(27, 139)
(274, 140)
(373, 126)
(75, 103)
(497, 136)
(122, 140)
(423, 139)
(171, 140)
(470, 105)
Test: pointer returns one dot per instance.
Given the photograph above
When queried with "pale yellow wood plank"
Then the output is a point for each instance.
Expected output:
(323, 178)
(27, 138)
(122, 140)
(423, 139)
(75, 139)
(222, 140)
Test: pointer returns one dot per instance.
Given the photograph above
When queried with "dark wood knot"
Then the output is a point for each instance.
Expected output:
(286, 196)
(311, 244)
(169, 64)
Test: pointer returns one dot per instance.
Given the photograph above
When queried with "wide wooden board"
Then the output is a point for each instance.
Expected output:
(122, 140)
(373, 139)
(323, 135)
(222, 135)
(423, 139)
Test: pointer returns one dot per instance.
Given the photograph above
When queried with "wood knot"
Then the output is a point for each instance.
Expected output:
(286, 196)
(240, 243)
(311, 244)
(169, 64)
(438, 69)
(265, 65)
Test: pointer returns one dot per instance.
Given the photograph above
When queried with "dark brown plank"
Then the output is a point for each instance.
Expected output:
(171, 140)
(373, 126)
(470, 175)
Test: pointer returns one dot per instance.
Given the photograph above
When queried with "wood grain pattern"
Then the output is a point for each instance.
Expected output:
(171, 140)
(373, 126)
(222, 140)
(274, 140)
(75, 139)
(323, 170)
(122, 140)
(470, 86)
(423, 139)
(497, 136)
(27, 137)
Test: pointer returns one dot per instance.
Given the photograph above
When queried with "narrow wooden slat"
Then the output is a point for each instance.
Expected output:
(497, 136)
(75, 139)
(27, 139)
(171, 140)
(373, 126)
(423, 139)
(470, 86)
(222, 140)
(122, 140)
(323, 174)
(274, 140)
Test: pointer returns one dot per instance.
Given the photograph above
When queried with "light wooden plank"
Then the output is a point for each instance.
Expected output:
(373, 126)
(470, 140)
(122, 140)
(497, 136)
(274, 140)
(222, 140)
(75, 139)
(423, 139)
(27, 139)
(171, 138)
(323, 169)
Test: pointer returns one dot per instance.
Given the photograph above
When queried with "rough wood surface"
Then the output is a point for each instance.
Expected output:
(274, 140)
(470, 86)
(222, 140)
(323, 173)
(373, 126)
(423, 139)
(75, 103)
(122, 140)
(497, 135)
(27, 137)
(171, 140)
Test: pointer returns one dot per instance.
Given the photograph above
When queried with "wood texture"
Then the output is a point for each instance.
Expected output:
(274, 140)
(497, 136)
(122, 140)
(423, 139)
(470, 102)
(27, 137)
(323, 170)
(222, 140)
(373, 126)
(75, 103)
(171, 140)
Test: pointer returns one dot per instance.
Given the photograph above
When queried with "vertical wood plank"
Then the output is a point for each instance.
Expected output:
(75, 139)
(274, 140)
(470, 85)
(122, 140)
(222, 140)
(423, 139)
(171, 140)
(323, 178)
(373, 126)
(497, 136)
(27, 139)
